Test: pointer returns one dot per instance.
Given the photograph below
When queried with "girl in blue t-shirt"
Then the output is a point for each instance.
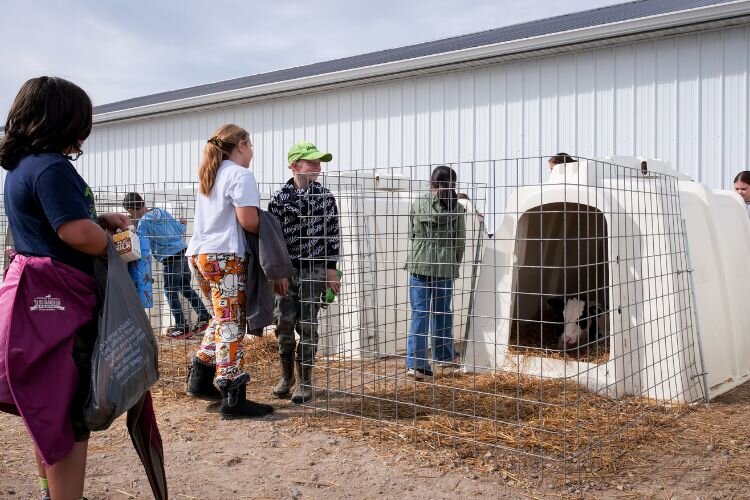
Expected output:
(49, 285)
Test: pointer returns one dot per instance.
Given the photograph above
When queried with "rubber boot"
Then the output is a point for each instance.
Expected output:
(286, 382)
(234, 403)
(200, 382)
(304, 392)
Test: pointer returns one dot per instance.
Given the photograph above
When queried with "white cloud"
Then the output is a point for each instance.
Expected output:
(120, 49)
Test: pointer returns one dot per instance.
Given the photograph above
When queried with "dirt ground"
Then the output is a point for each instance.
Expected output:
(293, 454)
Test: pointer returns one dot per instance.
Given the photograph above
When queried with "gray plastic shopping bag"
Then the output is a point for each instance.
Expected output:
(124, 363)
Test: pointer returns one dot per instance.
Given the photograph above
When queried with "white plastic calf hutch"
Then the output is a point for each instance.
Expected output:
(607, 230)
(371, 316)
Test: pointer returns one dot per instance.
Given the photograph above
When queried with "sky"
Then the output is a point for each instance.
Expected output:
(118, 49)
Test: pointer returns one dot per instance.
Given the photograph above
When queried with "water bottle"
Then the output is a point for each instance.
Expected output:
(328, 296)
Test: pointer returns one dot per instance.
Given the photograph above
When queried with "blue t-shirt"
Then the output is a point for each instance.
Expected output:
(42, 193)
(165, 234)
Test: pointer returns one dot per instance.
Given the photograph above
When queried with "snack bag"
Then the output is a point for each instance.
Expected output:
(128, 244)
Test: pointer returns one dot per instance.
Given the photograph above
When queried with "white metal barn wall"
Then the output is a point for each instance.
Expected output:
(680, 98)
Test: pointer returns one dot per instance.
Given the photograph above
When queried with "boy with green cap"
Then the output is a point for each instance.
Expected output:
(309, 220)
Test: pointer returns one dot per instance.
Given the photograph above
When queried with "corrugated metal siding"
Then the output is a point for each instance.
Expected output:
(683, 99)
(577, 20)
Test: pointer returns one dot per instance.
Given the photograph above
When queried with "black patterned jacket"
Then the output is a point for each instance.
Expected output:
(309, 219)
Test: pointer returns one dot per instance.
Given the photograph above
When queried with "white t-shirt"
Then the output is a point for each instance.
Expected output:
(216, 228)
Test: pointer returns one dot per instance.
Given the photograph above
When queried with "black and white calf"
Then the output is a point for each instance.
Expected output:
(585, 321)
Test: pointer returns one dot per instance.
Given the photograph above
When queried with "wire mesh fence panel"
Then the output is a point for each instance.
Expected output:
(163, 216)
(548, 317)
(539, 314)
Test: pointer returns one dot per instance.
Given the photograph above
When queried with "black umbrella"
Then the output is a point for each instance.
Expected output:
(144, 432)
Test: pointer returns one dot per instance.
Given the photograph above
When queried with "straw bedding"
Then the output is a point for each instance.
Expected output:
(536, 339)
(462, 414)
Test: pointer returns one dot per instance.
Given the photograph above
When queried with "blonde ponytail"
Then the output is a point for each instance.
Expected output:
(212, 157)
(217, 149)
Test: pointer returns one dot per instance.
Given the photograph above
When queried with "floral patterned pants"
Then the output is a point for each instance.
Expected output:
(222, 279)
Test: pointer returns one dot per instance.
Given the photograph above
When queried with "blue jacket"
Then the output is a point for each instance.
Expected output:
(165, 234)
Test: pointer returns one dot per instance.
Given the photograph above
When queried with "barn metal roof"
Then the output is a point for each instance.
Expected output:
(567, 22)
(578, 20)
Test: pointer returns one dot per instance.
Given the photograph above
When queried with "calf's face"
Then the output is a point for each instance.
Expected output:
(576, 321)
(576, 325)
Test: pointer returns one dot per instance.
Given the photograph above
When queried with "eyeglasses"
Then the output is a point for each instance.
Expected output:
(77, 154)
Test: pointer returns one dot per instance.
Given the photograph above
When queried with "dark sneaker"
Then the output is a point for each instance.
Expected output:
(200, 326)
(446, 367)
(176, 333)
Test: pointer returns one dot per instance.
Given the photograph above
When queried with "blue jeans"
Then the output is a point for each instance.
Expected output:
(177, 281)
(430, 299)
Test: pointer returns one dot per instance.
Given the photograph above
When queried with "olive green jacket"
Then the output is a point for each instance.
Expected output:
(437, 237)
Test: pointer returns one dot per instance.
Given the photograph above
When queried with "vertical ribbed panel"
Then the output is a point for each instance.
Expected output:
(682, 99)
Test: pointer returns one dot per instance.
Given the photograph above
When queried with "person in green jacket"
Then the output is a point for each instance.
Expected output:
(437, 233)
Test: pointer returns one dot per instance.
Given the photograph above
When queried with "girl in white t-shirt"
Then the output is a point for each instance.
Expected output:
(227, 205)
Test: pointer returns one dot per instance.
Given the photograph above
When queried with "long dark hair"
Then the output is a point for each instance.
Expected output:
(49, 115)
(443, 179)
(561, 158)
(743, 176)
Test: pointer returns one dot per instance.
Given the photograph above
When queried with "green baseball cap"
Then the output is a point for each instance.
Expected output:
(307, 151)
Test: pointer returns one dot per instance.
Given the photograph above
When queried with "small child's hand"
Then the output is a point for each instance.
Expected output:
(333, 281)
(281, 286)
(183, 220)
